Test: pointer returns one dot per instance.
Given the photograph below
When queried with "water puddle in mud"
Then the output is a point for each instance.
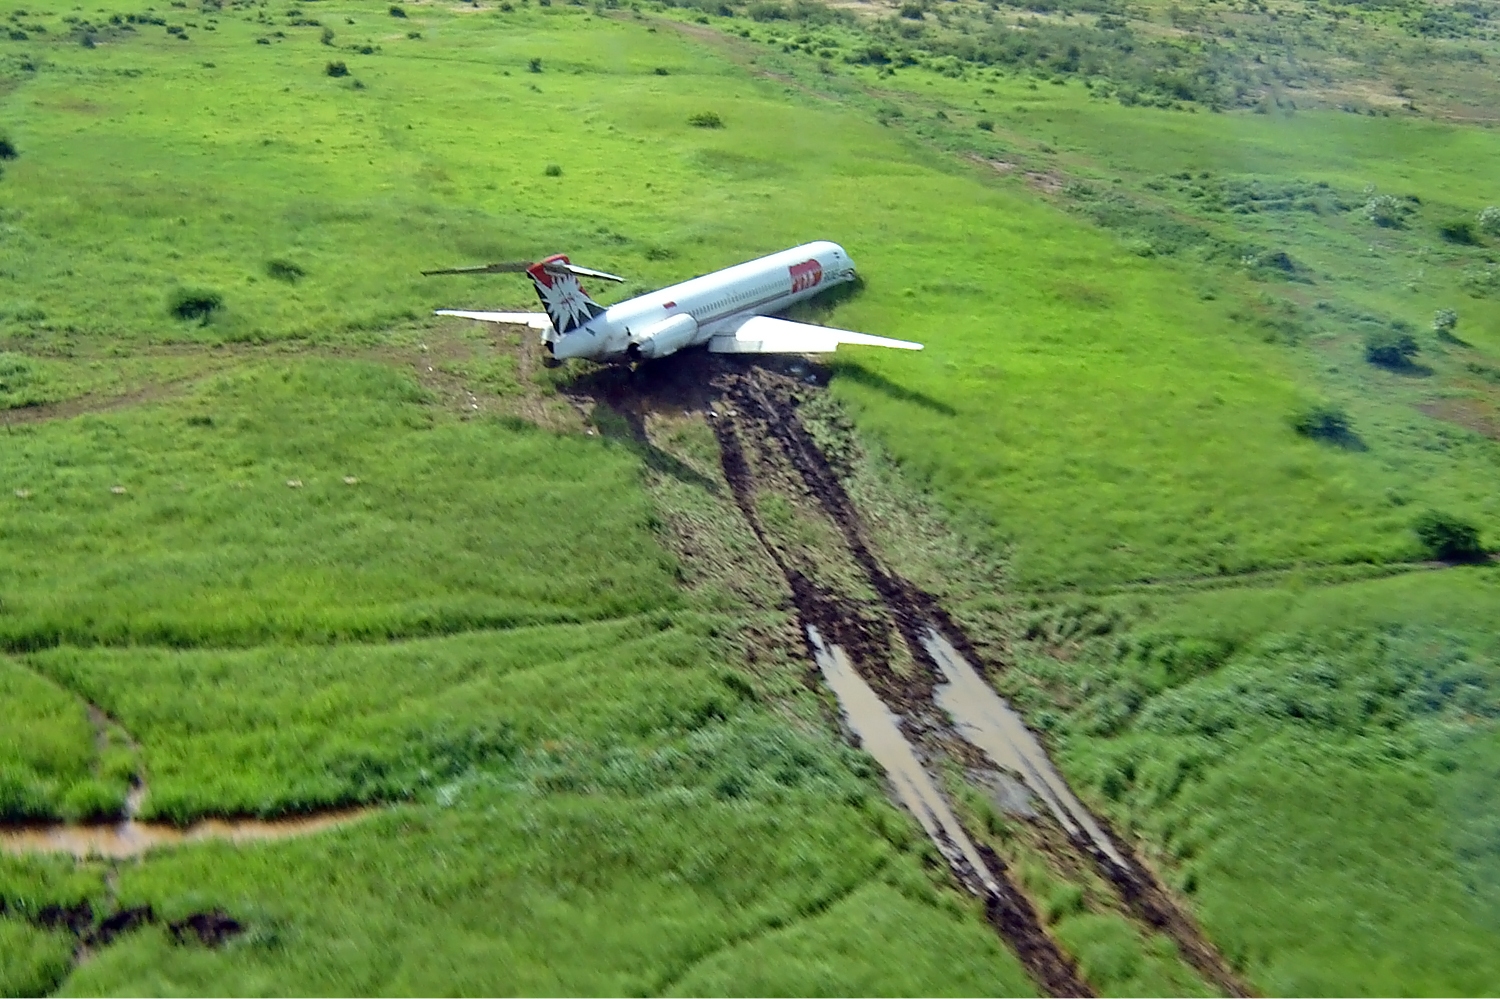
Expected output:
(984, 719)
(131, 838)
(881, 737)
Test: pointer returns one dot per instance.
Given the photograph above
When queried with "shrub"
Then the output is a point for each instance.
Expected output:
(553, 170)
(326, 37)
(336, 68)
(660, 71)
(1448, 538)
(1444, 322)
(1390, 348)
(8, 150)
(1323, 423)
(986, 125)
(413, 34)
(397, 11)
(285, 270)
(534, 65)
(706, 119)
(1489, 221)
(1387, 211)
(912, 11)
(1460, 231)
(194, 303)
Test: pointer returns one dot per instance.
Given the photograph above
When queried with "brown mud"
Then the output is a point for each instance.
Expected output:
(940, 703)
(838, 637)
(92, 930)
(131, 838)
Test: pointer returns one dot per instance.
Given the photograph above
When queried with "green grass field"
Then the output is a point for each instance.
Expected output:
(1125, 309)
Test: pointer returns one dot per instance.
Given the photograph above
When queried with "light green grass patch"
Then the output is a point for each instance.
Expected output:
(235, 523)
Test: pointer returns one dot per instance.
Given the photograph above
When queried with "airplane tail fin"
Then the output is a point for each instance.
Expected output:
(567, 304)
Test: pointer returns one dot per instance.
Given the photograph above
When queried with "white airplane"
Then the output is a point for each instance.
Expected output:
(730, 310)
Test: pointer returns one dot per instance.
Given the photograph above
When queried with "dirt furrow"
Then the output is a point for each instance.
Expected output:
(824, 615)
(767, 403)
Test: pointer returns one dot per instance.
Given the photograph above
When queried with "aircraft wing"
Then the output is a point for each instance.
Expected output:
(536, 320)
(766, 335)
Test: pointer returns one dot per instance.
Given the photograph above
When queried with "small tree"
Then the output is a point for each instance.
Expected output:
(1489, 221)
(1390, 348)
(1448, 538)
(534, 65)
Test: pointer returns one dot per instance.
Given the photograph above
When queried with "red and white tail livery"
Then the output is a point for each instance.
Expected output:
(729, 310)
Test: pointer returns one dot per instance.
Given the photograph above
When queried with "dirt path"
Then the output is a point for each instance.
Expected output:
(929, 676)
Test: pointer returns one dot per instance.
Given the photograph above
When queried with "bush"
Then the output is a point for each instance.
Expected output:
(336, 68)
(553, 170)
(986, 125)
(285, 270)
(1448, 538)
(194, 303)
(534, 65)
(706, 119)
(1489, 221)
(326, 37)
(397, 11)
(660, 71)
(1387, 211)
(1460, 231)
(1390, 348)
(1323, 423)
(1444, 322)
(8, 150)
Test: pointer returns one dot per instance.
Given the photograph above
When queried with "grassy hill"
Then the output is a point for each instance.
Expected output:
(309, 548)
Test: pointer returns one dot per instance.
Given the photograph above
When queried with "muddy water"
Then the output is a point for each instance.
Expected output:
(131, 838)
(984, 719)
(881, 737)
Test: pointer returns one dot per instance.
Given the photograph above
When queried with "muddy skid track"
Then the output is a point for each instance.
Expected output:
(894, 645)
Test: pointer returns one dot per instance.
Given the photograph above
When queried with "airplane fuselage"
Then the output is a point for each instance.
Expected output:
(695, 311)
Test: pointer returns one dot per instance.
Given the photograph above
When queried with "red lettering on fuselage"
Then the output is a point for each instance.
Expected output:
(805, 275)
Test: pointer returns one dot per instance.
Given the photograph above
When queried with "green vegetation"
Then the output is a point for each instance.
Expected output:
(300, 569)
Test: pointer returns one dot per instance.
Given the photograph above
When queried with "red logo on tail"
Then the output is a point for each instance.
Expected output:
(805, 275)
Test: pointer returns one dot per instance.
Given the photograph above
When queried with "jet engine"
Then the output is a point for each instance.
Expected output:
(665, 337)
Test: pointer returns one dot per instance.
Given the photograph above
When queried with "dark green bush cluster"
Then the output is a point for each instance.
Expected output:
(1448, 538)
(285, 270)
(194, 303)
(1390, 347)
(336, 68)
(397, 11)
(1323, 423)
(1460, 231)
(553, 170)
(706, 119)
(8, 150)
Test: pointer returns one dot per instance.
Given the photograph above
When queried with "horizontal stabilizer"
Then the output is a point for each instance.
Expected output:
(536, 320)
(765, 335)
